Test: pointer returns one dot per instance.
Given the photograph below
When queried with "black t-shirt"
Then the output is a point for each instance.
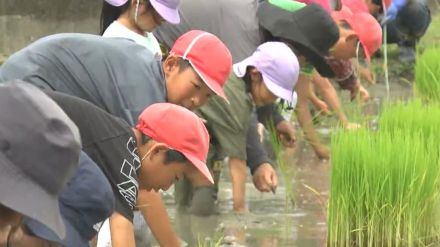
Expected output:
(110, 142)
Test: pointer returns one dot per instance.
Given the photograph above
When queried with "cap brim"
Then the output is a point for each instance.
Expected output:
(72, 239)
(241, 67)
(170, 15)
(285, 30)
(278, 91)
(200, 165)
(19, 193)
(317, 60)
(211, 83)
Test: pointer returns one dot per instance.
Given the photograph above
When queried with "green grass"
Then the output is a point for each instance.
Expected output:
(384, 189)
(432, 36)
(428, 74)
(285, 170)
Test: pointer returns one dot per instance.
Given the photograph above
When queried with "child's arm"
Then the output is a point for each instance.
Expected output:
(122, 231)
(155, 214)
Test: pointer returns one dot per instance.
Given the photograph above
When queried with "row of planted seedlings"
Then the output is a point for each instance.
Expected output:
(385, 184)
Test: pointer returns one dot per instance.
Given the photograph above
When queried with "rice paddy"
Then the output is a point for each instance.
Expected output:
(427, 74)
(384, 189)
(385, 184)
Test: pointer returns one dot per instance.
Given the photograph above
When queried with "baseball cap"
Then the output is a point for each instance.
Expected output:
(356, 6)
(310, 30)
(208, 56)
(180, 129)
(39, 149)
(168, 9)
(87, 200)
(278, 66)
(371, 37)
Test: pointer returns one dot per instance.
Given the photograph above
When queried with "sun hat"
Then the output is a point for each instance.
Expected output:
(278, 66)
(180, 129)
(168, 9)
(310, 30)
(208, 56)
(371, 37)
(86, 201)
(39, 150)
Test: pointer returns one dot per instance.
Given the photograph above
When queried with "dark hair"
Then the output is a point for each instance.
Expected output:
(345, 24)
(184, 64)
(110, 13)
(378, 3)
(171, 155)
(247, 78)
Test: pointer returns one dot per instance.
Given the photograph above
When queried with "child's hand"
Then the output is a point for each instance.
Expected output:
(265, 178)
(322, 152)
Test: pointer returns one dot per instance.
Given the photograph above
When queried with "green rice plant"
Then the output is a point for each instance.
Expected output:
(385, 189)
(412, 116)
(284, 168)
(428, 74)
(209, 242)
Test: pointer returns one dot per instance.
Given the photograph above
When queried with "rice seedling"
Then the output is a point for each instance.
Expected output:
(428, 74)
(284, 168)
(412, 116)
(209, 242)
(384, 189)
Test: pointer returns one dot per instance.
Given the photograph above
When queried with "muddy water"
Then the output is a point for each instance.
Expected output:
(272, 221)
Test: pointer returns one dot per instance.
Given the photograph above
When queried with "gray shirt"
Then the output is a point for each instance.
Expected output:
(115, 74)
(235, 22)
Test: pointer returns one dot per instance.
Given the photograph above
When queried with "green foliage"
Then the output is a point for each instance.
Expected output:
(428, 74)
(209, 242)
(385, 185)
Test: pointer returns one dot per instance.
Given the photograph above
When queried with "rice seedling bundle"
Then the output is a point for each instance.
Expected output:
(385, 189)
(412, 116)
(428, 74)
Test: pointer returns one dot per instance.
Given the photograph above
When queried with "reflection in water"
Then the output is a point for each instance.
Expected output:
(271, 222)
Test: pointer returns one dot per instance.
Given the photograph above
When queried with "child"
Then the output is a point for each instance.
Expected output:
(39, 149)
(123, 78)
(135, 20)
(270, 73)
(151, 156)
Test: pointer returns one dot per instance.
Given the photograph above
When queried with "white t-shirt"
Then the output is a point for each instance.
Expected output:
(117, 30)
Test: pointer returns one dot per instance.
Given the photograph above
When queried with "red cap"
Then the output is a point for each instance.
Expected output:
(208, 56)
(386, 3)
(356, 6)
(180, 129)
(366, 28)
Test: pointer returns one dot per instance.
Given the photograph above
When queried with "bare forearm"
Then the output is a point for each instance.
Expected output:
(330, 96)
(155, 214)
(302, 110)
(238, 171)
(122, 231)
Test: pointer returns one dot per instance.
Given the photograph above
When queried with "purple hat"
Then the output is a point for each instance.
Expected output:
(277, 64)
(168, 9)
